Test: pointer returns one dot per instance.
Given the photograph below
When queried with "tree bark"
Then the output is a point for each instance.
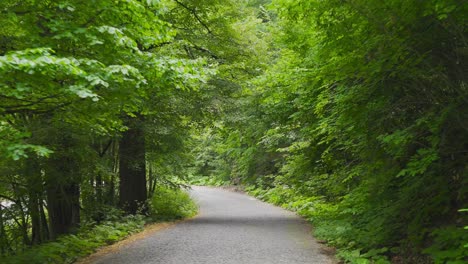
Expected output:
(110, 183)
(21, 205)
(132, 169)
(4, 245)
(40, 232)
(63, 208)
(63, 190)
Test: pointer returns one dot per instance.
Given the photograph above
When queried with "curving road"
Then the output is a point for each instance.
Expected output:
(231, 228)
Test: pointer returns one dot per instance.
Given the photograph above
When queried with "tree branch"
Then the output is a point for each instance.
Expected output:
(151, 47)
(195, 15)
(103, 152)
(8, 198)
(214, 56)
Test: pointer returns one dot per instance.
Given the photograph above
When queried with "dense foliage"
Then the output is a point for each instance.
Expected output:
(166, 204)
(171, 203)
(69, 248)
(360, 124)
(351, 112)
(96, 101)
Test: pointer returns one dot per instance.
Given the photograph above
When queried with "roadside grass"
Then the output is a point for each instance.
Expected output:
(338, 225)
(324, 216)
(335, 224)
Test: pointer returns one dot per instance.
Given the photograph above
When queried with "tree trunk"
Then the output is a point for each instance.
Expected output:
(4, 245)
(39, 233)
(99, 188)
(63, 190)
(110, 197)
(132, 168)
(63, 208)
(152, 181)
(21, 206)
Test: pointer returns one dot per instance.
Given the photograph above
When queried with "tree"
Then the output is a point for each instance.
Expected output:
(360, 112)
(133, 186)
(73, 76)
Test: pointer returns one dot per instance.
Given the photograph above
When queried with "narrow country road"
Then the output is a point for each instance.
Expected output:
(231, 228)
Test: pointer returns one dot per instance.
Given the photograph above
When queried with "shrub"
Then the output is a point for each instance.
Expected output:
(449, 245)
(68, 248)
(207, 181)
(169, 204)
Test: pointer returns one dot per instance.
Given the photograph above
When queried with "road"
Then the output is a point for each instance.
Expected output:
(232, 228)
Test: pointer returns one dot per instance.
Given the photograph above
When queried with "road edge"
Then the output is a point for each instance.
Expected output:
(148, 230)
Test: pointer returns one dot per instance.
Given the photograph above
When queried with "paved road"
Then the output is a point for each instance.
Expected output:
(232, 228)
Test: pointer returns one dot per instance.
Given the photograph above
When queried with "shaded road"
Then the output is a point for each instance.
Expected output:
(231, 228)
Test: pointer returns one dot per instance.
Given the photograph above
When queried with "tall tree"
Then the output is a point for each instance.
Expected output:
(74, 73)
(133, 186)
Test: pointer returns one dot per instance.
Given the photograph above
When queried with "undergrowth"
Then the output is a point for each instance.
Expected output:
(207, 181)
(171, 204)
(68, 248)
(166, 204)
(358, 235)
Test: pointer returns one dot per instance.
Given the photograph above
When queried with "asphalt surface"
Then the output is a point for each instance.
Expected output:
(231, 228)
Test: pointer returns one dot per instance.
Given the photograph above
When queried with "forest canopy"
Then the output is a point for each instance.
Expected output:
(352, 113)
